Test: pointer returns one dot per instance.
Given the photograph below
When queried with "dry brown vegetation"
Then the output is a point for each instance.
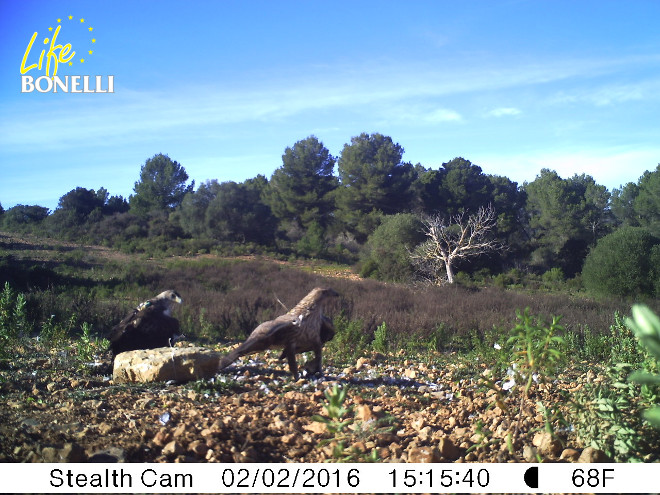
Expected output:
(227, 298)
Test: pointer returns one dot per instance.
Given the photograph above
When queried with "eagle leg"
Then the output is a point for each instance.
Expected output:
(290, 352)
(314, 366)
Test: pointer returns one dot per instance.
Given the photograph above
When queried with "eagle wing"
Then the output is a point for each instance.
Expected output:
(146, 327)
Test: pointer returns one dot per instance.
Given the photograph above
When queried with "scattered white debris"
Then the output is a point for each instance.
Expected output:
(164, 418)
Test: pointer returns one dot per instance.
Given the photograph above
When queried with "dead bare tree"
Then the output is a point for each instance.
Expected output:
(453, 239)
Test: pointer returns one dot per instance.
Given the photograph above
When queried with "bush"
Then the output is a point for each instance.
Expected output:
(621, 264)
(385, 255)
(14, 323)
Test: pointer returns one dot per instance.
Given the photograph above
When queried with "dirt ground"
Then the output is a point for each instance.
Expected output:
(399, 410)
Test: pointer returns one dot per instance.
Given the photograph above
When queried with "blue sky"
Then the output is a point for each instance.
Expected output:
(223, 87)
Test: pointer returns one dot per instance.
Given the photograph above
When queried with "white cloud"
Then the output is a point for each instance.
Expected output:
(503, 112)
(443, 115)
(611, 94)
(610, 167)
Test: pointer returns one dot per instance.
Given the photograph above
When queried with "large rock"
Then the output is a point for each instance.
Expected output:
(165, 363)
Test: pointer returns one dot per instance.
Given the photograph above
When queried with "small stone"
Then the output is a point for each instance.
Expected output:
(460, 432)
(179, 430)
(385, 439)
(105, 428)
(593, 455)
(419, 423)
(359, 446)
(198, 448)
(364, 413)
(247, 455)
(288, 439)
(547, 446)
(142, 403)
(361, 362)
(529, 454)
(72, 452)
(448, 450)
(111, 454)
(173, 448)
(424, 454)
(50, 454)
(316, 427)
(162, 437)
(408, 373)
(570, 455)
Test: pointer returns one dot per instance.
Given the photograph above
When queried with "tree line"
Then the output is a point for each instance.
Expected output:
(371, 212)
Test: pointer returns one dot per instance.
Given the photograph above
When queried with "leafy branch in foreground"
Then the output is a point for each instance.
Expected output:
(536, 351)
(337, 424)
(607, 412)
(13, 319)
(646, 326)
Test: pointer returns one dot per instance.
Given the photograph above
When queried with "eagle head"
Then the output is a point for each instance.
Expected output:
(325, 293)
(170, 295)
(167, 300)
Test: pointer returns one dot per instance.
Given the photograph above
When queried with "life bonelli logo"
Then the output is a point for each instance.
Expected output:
(54, 54)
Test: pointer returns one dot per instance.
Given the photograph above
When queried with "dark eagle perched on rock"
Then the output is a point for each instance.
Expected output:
(148, 326)
(304, 328)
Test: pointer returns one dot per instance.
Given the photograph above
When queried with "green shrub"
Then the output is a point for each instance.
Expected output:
(380, 343)
(646, 326)
(606, 415)
(385, 255)
(14, 323)
(621, 263)
(350, 340)
(553, 277)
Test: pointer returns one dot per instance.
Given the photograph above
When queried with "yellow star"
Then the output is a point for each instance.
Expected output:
(70, 17)
(50, 29)
(82, 60)
(93, 40)
(90, 52)
(59, 20)
(91, 28)
(82, 20)
(70, 63)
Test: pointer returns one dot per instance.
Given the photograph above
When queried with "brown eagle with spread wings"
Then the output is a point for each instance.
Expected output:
(304, 328)
(148, 326)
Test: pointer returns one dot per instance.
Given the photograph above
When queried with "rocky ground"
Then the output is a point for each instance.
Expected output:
(400, 410)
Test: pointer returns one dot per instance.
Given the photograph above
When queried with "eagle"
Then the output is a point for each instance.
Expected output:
(148, 326)
(304, 328)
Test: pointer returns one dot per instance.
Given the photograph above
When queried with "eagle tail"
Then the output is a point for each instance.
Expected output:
(230, 358)
(247, 347)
